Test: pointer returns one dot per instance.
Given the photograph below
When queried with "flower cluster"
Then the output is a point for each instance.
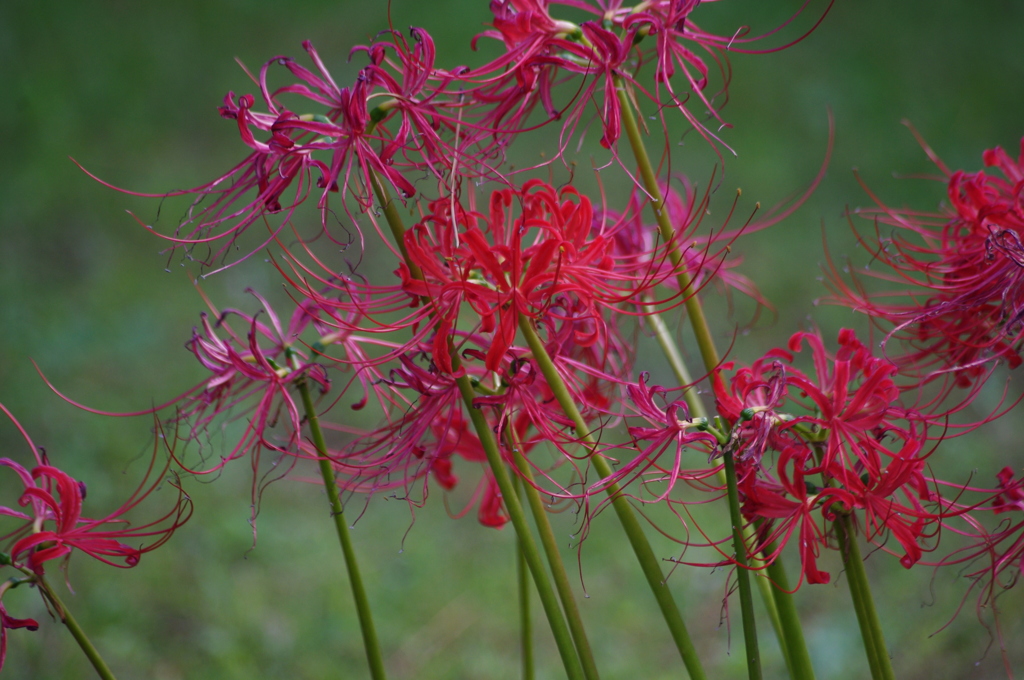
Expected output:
(504, 333)
(475, 276)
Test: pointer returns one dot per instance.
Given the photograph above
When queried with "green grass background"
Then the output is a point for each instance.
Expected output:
(130, 90)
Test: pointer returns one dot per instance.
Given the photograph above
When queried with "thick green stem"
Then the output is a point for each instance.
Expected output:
(76, 631)
(634, 532)
(370, 642)
(863, 603)
(547, 540)
(394, 221)
(563, 639)
(794, 648)
(742, 573)
(525, 622)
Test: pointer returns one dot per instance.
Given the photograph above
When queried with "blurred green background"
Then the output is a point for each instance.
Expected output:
(131, 89)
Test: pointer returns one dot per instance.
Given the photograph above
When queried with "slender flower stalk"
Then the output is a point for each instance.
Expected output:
(794, 648)
(709, 354)
(638, 541)
(90, 651)
(370, 642)
(773, 586)
(863, 603)
(559, 629)
(523, 585)
(547, 539)
(694, 310)
(742, 573)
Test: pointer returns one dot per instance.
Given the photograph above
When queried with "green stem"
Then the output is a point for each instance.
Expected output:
(742, 573)
(792, 639)
(794, 648)
(693, 307)
(76, 631)
(394, 221)
(634, 532)
(525, 624)
(547, 539)
(767, 592)
(563, 640)
(778, 601)
(370, 642)
(675, 361)
(863, 603)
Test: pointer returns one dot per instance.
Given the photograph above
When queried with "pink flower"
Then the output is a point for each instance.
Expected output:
(963, 272)
(55, 526)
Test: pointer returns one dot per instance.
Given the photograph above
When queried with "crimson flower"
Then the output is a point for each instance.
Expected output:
(842, 442)
(669, 430)
(511, 263)
(788, 505)
(61, 498)
(54, 526)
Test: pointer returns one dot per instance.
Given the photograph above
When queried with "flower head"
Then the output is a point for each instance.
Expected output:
(963, 269)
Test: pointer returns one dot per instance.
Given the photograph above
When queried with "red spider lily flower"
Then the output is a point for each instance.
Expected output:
(1011, 494)
(245, 369)
(54, 526)
(56, 499)
(789, 506)
(964, 272)
(1004, 546)
(676, 39)
(750, 405)
(322, 147)
(854, 395)
(993, 560)
(62, 499)
(505, 266)
(670, 430)
(426, 429)
(542, 51)
(845, 427)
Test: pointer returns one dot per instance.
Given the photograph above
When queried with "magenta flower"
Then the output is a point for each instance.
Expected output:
(669, 432)
(53, 528)
(55, 525)
(543, 51)
(60, 498)
(263, 366)
(425, 430)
